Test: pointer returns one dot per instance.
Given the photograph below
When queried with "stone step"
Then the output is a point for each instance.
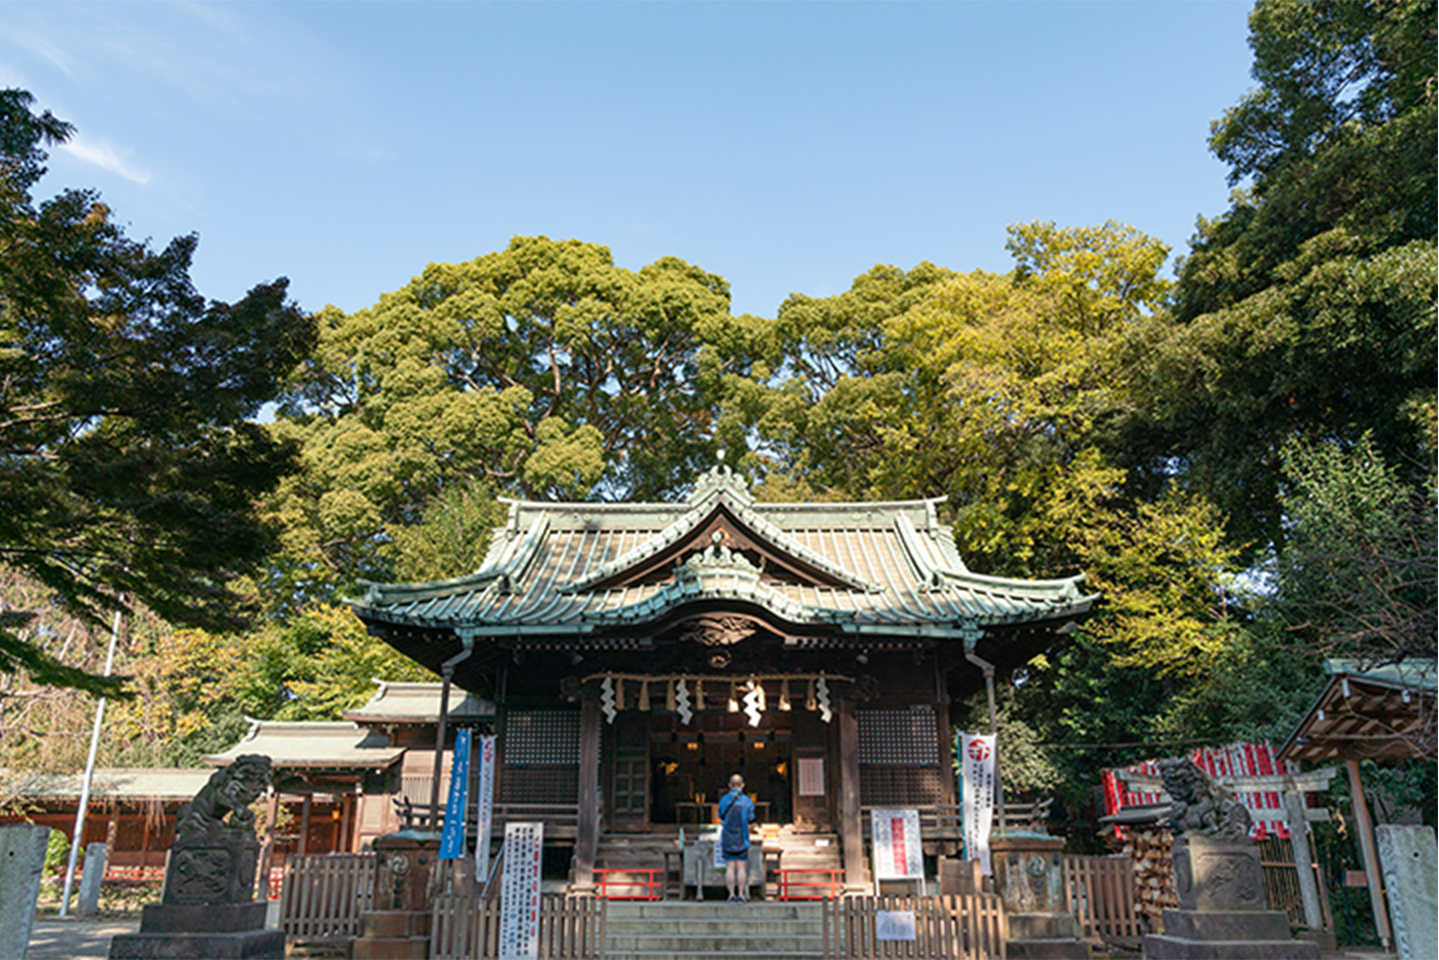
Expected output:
(390, 948)
(659, 955)
(718, 910)
(707, 946)
(687, 931)
(735, 912)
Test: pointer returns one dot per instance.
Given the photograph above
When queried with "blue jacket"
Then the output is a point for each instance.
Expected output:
(736, 812)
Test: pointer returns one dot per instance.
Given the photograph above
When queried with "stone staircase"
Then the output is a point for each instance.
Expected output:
(688, 931)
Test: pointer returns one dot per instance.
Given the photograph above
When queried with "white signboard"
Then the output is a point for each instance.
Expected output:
(486, 807)
(520, 892)
(894, 925)
(977, 776)
(898, 854)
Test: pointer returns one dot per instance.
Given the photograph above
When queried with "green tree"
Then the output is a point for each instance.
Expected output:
(1308, 309)
(129, 463)
(1359, 576)
(542, 370)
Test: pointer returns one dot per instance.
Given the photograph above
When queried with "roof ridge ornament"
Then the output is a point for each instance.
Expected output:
(717, 556)
(720, 480)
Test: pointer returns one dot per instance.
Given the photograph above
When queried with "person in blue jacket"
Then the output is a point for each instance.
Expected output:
(736, 813)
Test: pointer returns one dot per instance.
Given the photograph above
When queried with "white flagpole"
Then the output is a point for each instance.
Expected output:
(78, 839)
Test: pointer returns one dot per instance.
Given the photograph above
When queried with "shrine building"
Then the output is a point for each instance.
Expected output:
(638, 654)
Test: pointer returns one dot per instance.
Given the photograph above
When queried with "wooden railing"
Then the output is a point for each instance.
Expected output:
(1101, 895)
(789, 885)
(952, 928)
(630, 883)
(324, 896)
(571, 928)
(560, 819)
(944, 821)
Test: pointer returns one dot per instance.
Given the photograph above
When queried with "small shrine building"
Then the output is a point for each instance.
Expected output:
(638, 654)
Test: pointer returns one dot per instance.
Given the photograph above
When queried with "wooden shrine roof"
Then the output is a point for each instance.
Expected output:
(1380, 713)
(108, 783)
(418, 703)
(830, 569)
(319, 745)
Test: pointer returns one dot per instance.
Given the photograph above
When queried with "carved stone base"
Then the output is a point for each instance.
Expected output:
(1211, 874)
(1227, 935)
(253, 945)
(211, 932)
(216, 869)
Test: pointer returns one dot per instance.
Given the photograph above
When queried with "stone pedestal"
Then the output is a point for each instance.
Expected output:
(398, 927)
(1029, 878)
(1222, 911)
(218, 931)
(220, 868)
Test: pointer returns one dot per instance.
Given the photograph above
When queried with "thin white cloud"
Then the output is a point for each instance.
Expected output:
(103, 156)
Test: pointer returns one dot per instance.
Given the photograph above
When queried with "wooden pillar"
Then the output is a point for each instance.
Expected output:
(342, 843)
(1299, 840)
(851, 838)
(267, 846)
(1365, 829)
(305, 825)
(588, 827)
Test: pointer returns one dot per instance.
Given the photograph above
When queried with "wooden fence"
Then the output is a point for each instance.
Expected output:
(464, 928)
(323, 896)
(954, 928)
(1101, 895)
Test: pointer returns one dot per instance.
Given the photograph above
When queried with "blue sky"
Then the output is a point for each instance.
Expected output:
(786, 147)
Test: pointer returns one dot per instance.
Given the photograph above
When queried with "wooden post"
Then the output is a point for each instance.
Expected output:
(851, 838)
(587, 825)
(305, 825)
(446, 675)
(1366, 846)
(267, 846)
(1299, 839)
(342, 843)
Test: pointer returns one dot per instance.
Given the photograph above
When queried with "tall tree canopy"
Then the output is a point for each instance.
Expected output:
(1308, 309)
(129, 463)
(542, 370)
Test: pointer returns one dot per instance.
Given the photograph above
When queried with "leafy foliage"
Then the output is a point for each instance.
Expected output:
(1308, 309)
(541, 370)
(1360, 568)
(128, 463)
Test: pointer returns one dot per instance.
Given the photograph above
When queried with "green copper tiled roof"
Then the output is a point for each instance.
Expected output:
(887, 568)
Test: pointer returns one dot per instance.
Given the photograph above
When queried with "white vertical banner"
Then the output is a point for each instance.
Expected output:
(520, 892)
(898, 853)
(977, 777)
(485, 806)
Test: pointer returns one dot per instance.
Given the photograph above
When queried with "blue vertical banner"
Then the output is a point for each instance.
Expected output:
(452, 840)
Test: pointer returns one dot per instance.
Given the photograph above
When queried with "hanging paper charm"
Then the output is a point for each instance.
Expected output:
(682, 702)
(821, 693)
(607, 699)
(751, 703)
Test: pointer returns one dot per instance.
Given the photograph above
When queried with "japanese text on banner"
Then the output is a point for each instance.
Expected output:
(977, 794)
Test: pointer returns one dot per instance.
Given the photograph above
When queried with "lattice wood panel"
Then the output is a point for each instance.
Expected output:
(540, 785)
(893, 786)
(898, 736)
(542, 737)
